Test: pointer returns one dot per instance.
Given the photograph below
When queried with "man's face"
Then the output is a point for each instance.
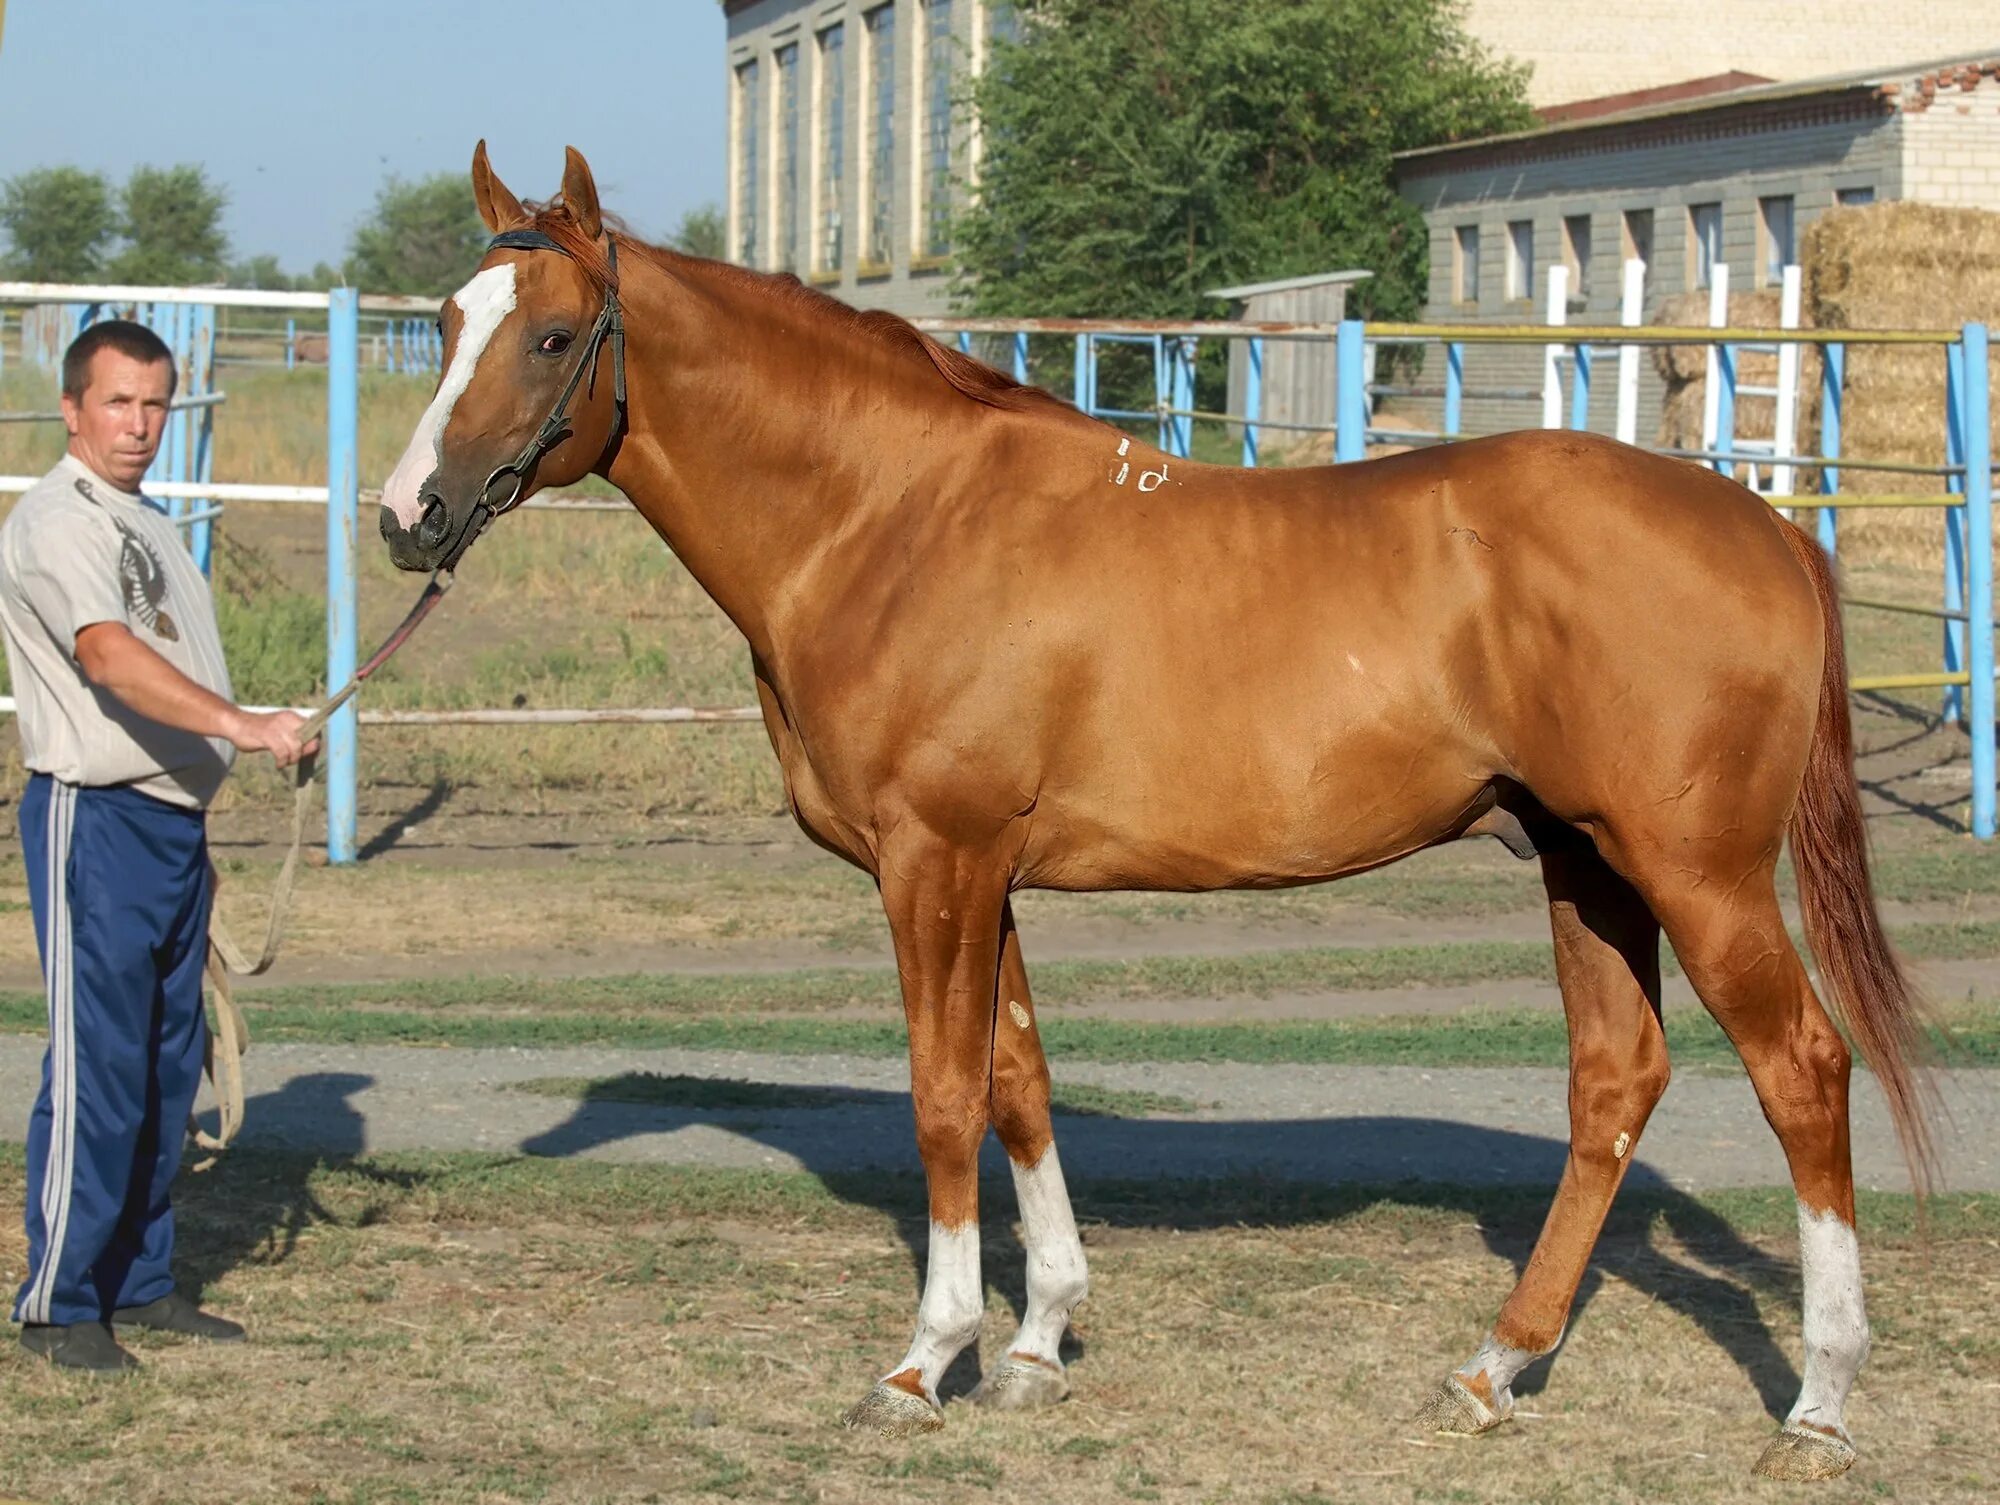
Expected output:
(115, 427)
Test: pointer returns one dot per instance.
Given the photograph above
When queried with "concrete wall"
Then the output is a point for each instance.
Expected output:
(910, 281)
(1583, 48)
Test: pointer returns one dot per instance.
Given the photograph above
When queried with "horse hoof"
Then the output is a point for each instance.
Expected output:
(1021, 1382)
(890, 1411)
(1800, 1454)
(1454, 1408)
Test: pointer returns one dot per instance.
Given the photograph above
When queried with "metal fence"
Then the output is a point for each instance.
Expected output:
(1571, 357)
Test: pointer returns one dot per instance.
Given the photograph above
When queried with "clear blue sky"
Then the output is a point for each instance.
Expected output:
(300, 109)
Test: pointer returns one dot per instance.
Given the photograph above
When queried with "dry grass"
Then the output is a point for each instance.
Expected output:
(571, 1333)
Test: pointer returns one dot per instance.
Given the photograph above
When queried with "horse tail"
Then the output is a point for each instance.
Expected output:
(1869, 992)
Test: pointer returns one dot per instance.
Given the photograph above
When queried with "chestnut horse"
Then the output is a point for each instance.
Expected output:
(1001, 645)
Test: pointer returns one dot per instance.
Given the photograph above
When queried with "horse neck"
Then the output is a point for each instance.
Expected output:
(762, 434)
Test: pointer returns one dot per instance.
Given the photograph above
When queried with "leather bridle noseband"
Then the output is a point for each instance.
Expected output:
(610, 325)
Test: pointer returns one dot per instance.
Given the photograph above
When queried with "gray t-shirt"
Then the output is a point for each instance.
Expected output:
(76, 551)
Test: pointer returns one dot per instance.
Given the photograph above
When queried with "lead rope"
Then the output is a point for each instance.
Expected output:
(222, 1057)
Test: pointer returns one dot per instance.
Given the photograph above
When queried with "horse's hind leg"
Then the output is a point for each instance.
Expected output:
(1608, 962)
(1032, 1373)
(1733, 944)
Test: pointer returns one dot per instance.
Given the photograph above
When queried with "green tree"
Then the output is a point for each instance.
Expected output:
(1138, 152)
(703, 232)
(425, 237)
(263, 273)
(58, 220)
(171, 218)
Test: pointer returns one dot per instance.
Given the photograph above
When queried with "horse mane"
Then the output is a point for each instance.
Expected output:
(970, 378)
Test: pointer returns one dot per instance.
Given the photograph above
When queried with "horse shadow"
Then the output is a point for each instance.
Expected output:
(1142, 1174)
(1190, 1175)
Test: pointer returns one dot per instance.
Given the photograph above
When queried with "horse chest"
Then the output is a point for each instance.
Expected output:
(813, 806)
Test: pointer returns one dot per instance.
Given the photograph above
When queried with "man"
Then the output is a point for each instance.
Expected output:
(127, 729)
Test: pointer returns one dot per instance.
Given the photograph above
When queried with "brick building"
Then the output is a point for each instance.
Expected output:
(1582, 49)
(1710, 171)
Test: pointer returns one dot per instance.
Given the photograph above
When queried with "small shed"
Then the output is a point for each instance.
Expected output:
(1299, 382)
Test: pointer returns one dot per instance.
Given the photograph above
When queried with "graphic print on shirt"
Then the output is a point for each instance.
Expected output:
(140, 574)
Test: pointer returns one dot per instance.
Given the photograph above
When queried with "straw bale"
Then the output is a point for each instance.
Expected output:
(1899, 266)
(1683, 370)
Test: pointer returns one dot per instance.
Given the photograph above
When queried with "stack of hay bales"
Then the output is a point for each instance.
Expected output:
(1684, 371)
(1898, 266)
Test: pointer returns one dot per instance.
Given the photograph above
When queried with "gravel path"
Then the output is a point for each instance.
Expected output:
(1313, 1123)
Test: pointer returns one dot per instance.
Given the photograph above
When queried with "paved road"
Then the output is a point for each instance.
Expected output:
(1312, 1123)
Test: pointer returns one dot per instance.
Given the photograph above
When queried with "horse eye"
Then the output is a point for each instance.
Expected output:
(555, 344)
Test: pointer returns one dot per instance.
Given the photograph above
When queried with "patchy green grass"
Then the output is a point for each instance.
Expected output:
(465, 1330)
(1497, 1036)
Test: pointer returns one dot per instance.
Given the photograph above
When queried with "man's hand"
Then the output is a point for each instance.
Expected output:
(114, 660)
(274, 732)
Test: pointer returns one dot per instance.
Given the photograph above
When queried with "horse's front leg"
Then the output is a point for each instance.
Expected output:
(944, 901)
(1032, 1372)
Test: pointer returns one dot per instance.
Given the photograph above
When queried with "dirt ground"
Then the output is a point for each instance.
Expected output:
(439, 1335)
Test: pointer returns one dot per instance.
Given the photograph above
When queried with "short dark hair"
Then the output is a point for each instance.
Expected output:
(134, 341)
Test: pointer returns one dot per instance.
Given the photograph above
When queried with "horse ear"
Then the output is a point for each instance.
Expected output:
(579, 192)
(497, 204)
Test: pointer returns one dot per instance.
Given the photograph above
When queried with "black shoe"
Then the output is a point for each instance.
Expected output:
(80, 1345)
(175, 1313)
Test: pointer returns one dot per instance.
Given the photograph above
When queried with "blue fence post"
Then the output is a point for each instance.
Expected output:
(1185, 349)
(201, 448)
(1350, 413)
(1725, 406)
(291, 343)
(1163, 393)
(1454, 387)
(1579, 391)
(964, 343)
(1955, 426)
(1080, 383)
(1253, 400)
(1832, 387)
(1020, 356)
(343, 499)
(1979, 595)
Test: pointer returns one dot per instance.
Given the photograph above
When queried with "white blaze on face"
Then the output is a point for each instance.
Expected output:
(484, 301)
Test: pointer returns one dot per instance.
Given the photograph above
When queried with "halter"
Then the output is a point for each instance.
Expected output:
(555, 428)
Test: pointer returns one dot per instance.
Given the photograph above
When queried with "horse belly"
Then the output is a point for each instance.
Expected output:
(1240, 811)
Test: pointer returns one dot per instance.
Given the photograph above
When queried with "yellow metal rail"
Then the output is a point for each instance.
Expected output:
(1652, 334)
(1907, 681)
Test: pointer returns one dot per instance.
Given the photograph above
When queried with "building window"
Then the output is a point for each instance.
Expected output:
(1853, 198)
(1003, 21)
(1465, 274)
(1635, 243)
(1520, 259)
(832, 144)
(881, 27)
(1704, 243)
(787, 174)
(1576, 255)
(937, 127)
(1774, 234)
(749, 146)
